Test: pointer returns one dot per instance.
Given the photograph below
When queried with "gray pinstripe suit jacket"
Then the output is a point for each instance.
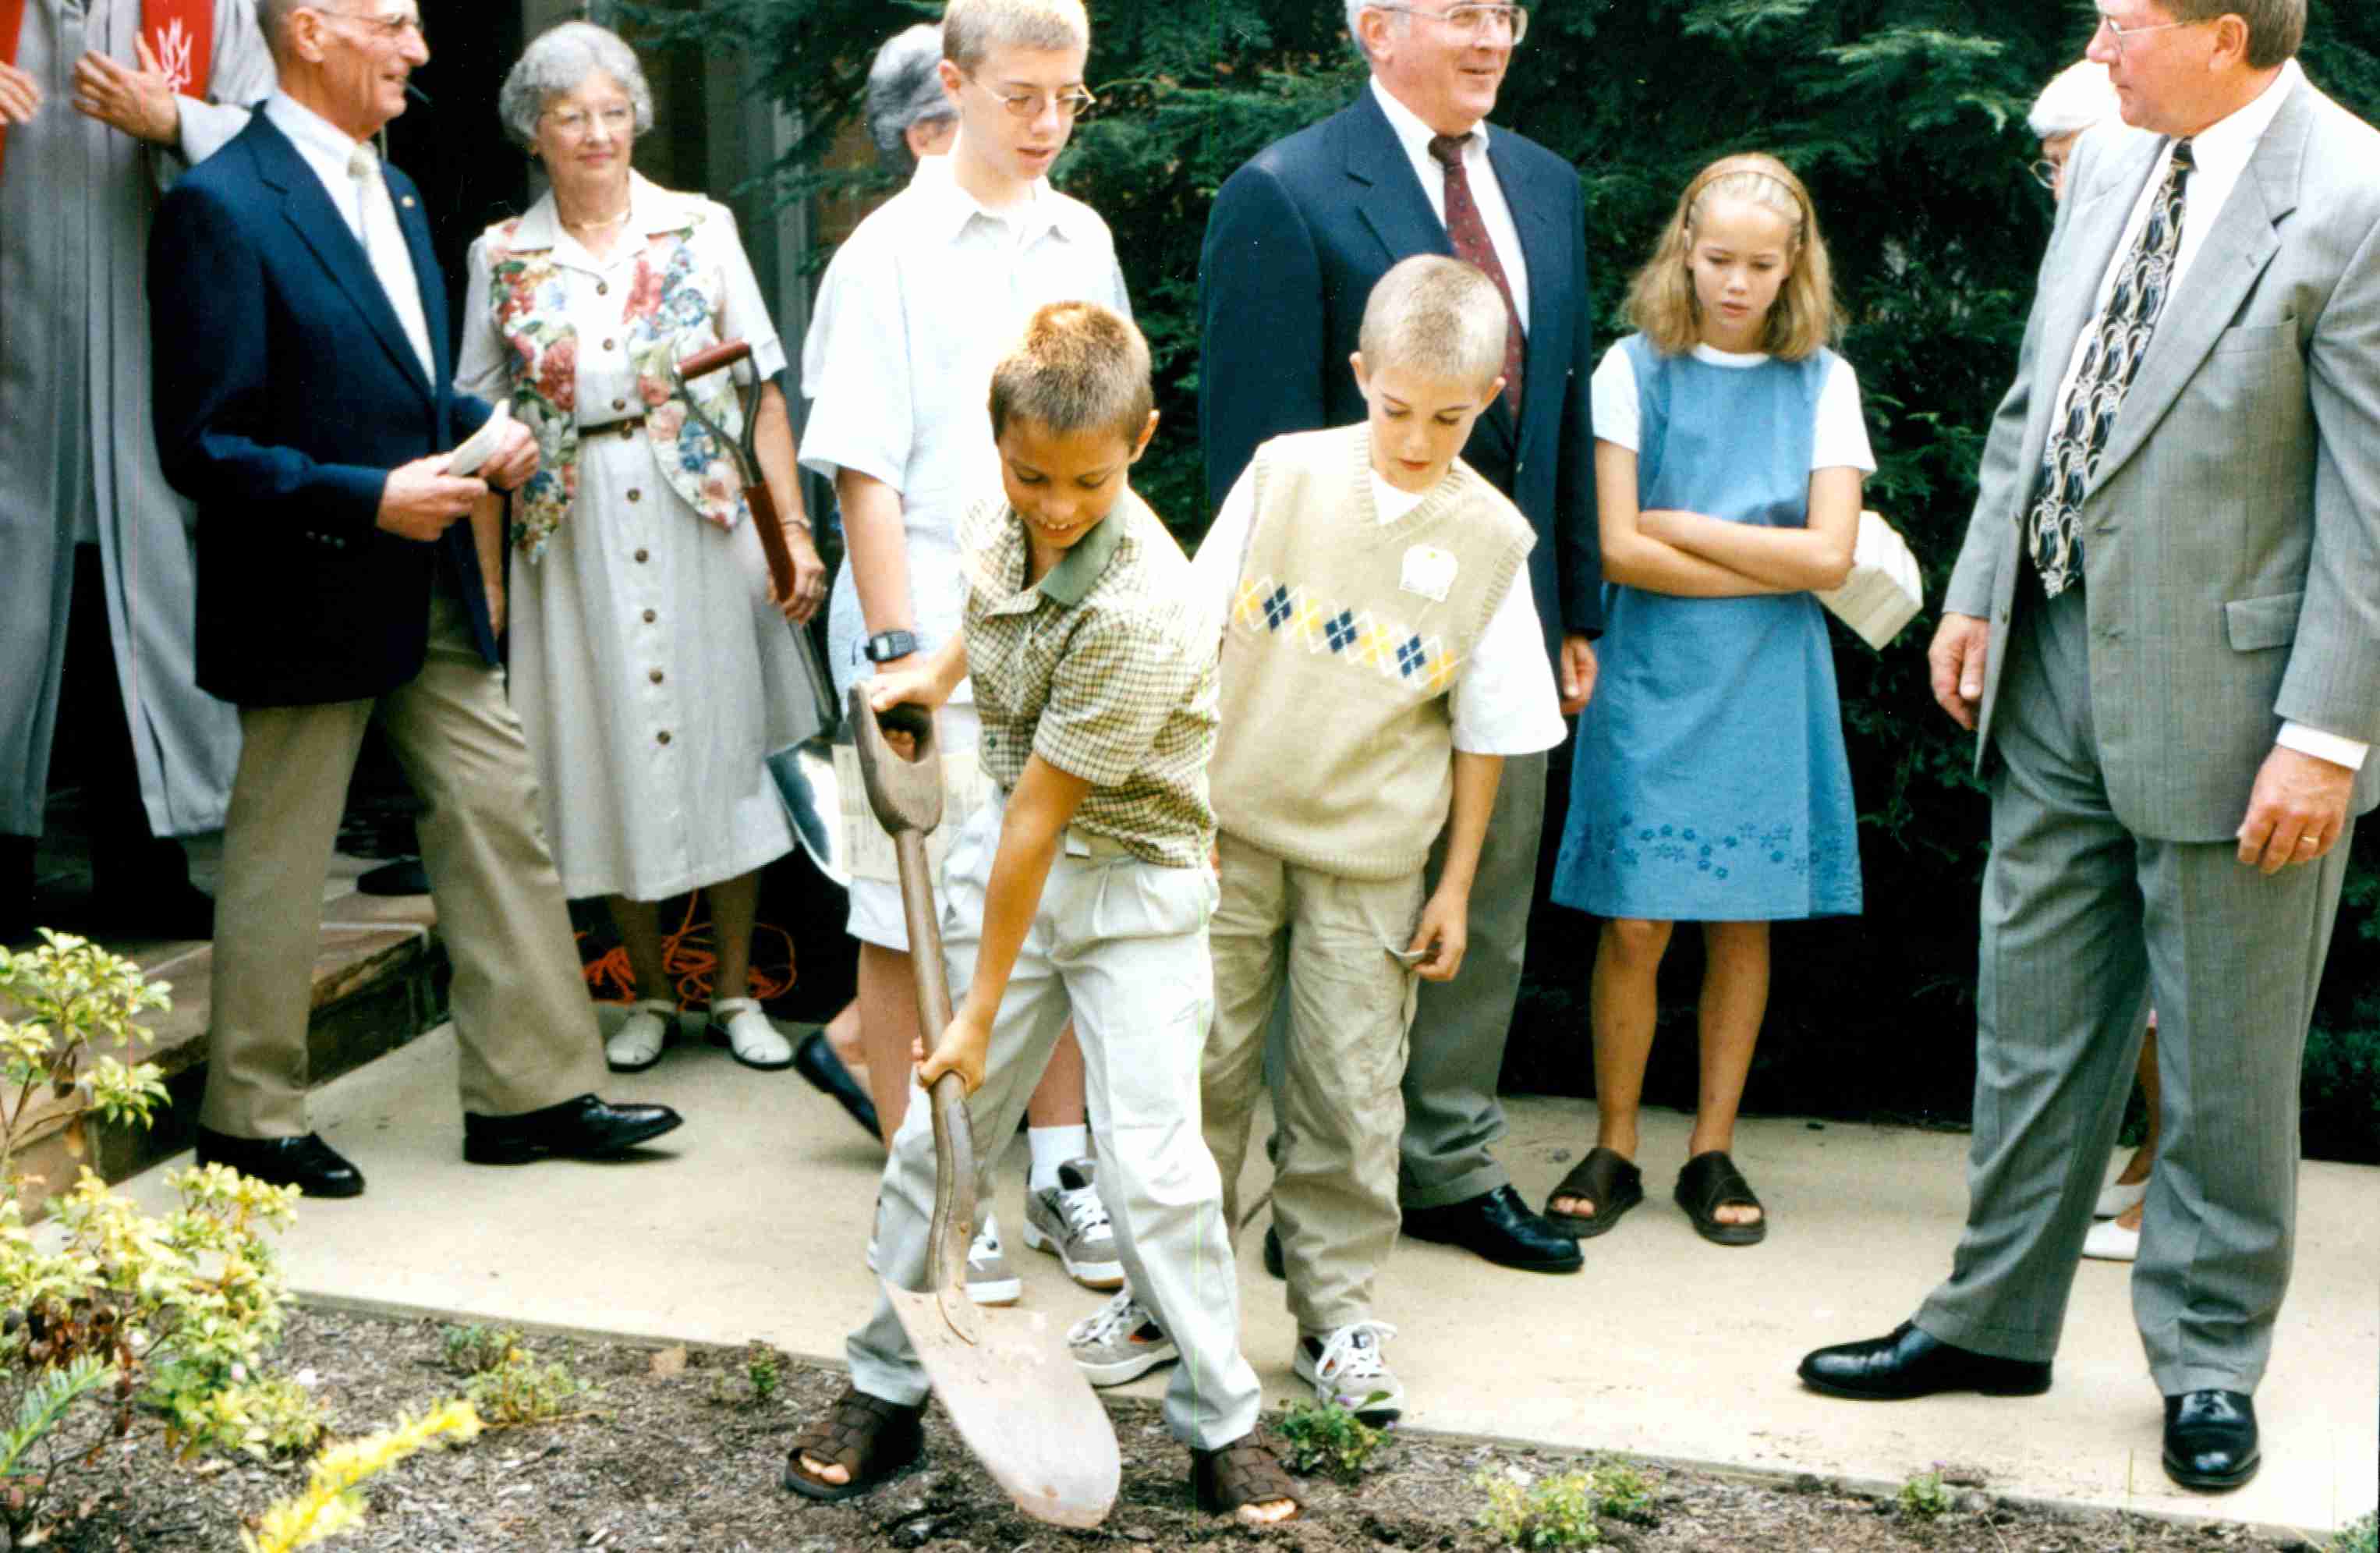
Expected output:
(2231, 541)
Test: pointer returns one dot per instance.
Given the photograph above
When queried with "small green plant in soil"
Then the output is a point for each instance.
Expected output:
(476, 1350)
(2358, 1536)
(1328, 1437)
(521, 1391)
(1924, 1497)
(1565, 1509)
(764, 1371)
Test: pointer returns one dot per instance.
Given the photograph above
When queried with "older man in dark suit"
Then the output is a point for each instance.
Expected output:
(309, 414)
(2166, 622)
(1296, 240)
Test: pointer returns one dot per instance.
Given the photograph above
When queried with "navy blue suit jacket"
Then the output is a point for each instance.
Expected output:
(285, 393)
(1295, 242)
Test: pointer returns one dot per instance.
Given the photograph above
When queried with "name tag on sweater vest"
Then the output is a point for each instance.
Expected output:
(1429, 572)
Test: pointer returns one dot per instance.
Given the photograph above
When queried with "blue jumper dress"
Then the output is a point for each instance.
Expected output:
(1710, 782)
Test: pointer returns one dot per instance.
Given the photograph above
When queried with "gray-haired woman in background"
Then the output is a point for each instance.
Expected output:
(909, 114)
(650, 665)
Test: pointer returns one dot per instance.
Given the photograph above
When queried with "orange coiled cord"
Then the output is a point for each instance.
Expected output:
(689, 961)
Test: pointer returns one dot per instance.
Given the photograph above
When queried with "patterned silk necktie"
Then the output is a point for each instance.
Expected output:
(384, 246)
(1469, 235)
(2116, 344)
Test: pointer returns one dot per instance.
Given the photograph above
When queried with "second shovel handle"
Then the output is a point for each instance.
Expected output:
(704, 363)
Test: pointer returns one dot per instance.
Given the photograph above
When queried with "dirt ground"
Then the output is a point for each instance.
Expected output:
(689, 1460)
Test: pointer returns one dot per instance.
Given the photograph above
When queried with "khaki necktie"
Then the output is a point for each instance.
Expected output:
(2118, 340)
(384, 246)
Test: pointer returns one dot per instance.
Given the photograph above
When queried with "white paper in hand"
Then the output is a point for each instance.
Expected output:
(481, 443)
(1885, 590)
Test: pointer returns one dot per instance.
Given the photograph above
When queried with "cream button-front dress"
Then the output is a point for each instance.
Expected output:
(649, 667)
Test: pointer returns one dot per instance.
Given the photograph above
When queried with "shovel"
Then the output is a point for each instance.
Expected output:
(1003, 1375)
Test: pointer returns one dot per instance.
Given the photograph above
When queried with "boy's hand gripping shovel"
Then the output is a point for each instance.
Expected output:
(1003, 1375)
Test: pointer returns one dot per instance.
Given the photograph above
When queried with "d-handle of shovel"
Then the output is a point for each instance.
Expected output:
(747, 454)
(907, 798)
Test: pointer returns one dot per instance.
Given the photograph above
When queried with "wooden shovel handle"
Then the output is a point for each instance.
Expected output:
(702, 363)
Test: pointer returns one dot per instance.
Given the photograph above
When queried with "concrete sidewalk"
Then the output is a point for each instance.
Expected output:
(750, 1222)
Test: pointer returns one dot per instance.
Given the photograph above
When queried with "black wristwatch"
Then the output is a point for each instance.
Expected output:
(885, 646)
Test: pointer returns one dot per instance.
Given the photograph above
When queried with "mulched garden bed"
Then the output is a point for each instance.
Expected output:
(681, 1454)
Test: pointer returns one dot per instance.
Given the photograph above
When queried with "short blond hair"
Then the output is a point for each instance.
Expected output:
(1662, 298)
(972, 29)
(1079, 368)
(1438, 315)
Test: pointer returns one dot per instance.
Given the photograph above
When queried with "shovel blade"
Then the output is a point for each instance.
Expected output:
(1021, 1405)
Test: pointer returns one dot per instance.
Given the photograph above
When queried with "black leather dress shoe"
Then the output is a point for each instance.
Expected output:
(1499, 1227)
(2210, 1440)
(1910, 1363)
(581, 1128)
(307, 1163)
(815, 1060)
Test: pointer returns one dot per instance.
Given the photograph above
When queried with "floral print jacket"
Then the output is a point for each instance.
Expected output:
(672, 309)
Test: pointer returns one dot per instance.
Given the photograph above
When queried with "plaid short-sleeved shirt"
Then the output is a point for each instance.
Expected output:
(1105, 668)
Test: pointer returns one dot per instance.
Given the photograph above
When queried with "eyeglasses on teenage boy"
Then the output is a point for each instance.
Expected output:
(1475, 22)
(1073, 102)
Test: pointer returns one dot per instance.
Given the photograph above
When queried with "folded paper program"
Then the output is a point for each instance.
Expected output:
(1885, 590)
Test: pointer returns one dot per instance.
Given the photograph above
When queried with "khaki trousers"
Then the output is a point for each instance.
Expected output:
(521, 1012)
(1338, 1106)
(1120, 947)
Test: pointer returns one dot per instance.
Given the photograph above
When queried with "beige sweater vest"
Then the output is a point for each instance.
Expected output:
(1346, 636)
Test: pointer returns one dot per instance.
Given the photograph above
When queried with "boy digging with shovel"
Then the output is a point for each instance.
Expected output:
(1081, 888)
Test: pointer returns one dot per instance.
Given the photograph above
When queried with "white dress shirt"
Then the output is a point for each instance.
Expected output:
(327, 148)
(2221, 152)
(1503, 702)
(1485, 192)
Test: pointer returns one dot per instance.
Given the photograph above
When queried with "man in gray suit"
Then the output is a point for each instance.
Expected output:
(2166, 622)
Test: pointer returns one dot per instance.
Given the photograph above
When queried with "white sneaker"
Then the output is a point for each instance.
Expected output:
(1345, 1367)
(738, 1025)
(990, 1279)
(2110, 1241)
(1118, 1341)
(642, 1036)
(1069, 1220)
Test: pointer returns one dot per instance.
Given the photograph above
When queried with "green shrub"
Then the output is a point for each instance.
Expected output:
(169, 1317)
(1327, 1437)
(2358, 1536)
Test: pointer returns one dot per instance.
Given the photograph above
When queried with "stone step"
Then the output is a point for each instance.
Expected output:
(380, 981)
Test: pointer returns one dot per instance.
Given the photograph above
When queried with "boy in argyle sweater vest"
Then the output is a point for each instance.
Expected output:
(1380, 658)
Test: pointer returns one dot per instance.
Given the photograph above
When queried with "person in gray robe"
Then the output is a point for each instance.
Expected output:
(91, 107)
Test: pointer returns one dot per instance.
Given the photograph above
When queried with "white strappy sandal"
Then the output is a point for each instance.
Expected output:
(646, 1033)
(738, 1025)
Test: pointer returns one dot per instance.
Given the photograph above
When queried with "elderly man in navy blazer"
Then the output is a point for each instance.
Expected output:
(1296, 240)
(304, 402)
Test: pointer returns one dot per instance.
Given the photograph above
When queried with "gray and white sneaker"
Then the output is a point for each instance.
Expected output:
(1069, 1221)
(1118, 1341)
(990, 1279)
(1345, 1367)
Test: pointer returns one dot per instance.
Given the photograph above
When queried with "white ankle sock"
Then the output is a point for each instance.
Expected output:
(1053, 1147)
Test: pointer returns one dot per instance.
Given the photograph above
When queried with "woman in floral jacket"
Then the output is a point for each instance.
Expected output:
(652, 664)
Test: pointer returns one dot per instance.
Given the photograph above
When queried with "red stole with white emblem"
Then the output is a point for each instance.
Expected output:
(181, 34)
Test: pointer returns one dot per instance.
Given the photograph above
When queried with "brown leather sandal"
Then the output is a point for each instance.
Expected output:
(1609, 1182)
(870, 1438)
(1709, 1182)
(1244, 1472)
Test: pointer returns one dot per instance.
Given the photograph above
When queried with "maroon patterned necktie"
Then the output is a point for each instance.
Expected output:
(1469, 233)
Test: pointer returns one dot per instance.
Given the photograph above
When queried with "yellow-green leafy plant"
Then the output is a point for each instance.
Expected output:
(1925, 1497)
(168, 1317)
(475, 1349)
(1564, 1510)
(333, 1498)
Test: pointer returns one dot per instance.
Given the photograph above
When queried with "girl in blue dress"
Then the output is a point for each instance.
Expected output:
(1710, 783)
